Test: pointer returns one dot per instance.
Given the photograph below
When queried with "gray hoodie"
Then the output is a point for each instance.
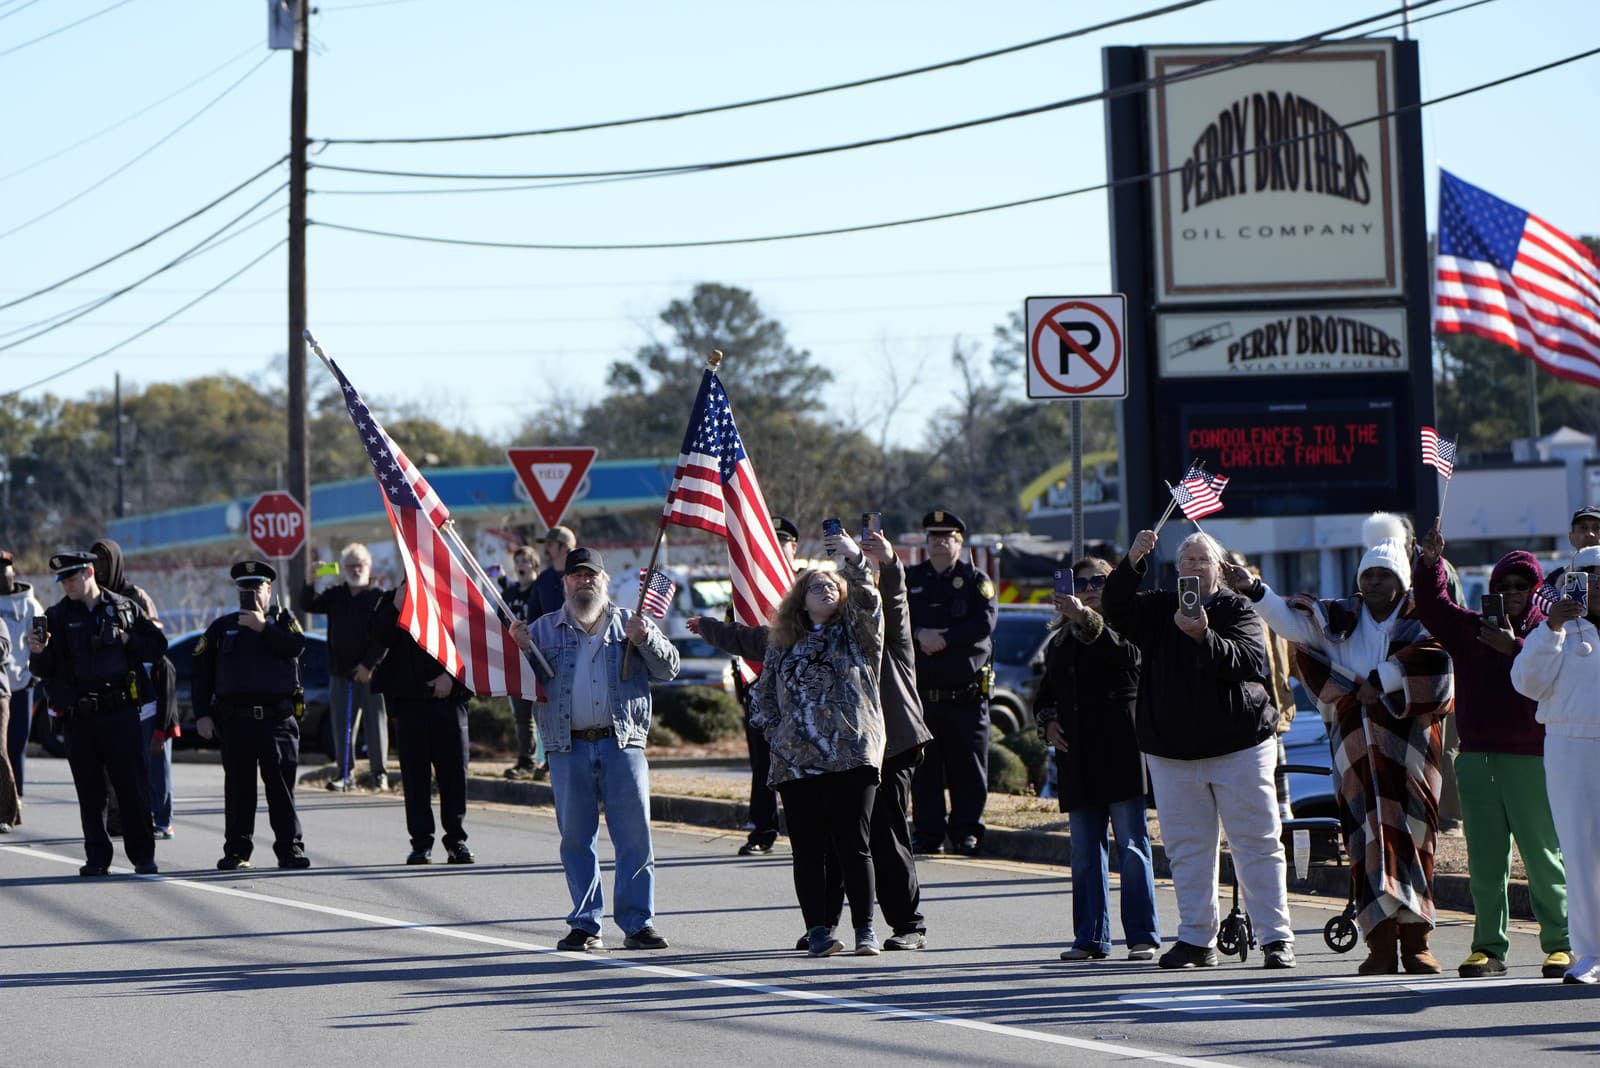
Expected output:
(17, 610)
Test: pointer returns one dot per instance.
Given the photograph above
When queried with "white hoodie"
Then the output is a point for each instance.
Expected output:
(17, 610)
(1552, 670)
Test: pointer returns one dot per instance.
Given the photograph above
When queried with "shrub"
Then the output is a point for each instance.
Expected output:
(663, 736)
(1031, 748)
(698, 714)
(490, 724)
(1007, 773)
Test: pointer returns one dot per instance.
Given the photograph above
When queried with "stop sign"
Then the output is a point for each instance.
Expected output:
(276, 525)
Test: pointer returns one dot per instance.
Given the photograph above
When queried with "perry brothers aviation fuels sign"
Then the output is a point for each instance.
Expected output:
(1295, 341)
(1277, 189)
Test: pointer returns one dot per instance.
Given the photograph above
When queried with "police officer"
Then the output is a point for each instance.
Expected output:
(91, 656)
(246, 688)
(952, 619)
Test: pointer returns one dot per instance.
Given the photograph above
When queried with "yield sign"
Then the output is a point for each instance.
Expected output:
(551, 476)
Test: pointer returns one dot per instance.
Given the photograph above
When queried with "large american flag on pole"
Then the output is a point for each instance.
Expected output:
(1200, 492)
(1509, 276)
(714, 488)
(444, 609)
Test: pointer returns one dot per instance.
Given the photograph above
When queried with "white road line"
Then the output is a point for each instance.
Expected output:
(829, 1000)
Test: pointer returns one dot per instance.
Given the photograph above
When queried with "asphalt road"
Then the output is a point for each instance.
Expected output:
(361, 957)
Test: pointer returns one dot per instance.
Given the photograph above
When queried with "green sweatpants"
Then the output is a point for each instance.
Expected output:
(1503, 797)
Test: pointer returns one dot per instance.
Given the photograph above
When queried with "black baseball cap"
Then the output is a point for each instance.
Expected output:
(582, 559)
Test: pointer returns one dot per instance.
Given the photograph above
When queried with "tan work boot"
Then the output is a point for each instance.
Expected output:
(1382, 957)
(1414, 955)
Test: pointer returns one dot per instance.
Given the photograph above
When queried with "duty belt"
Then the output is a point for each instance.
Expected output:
(273, 710)
(970, 692)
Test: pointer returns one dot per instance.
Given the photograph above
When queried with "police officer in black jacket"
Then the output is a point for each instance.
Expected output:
(952, 619)
(430, 718)
(246, 688)
(92, 659)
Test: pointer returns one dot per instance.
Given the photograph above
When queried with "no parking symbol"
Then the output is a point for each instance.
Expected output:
(1075, 347)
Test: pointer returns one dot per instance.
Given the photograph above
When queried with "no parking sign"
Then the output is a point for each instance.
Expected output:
(1076, 347)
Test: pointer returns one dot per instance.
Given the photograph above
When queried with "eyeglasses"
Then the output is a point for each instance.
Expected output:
(1093, 582)
(821, 587)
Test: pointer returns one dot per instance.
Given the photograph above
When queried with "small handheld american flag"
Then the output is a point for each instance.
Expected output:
(1200, 492)
(1545, 596)
(657, 596)
(1437, 452)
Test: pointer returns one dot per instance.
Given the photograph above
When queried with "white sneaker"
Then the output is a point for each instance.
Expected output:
(1143, 951)
(1586, 971)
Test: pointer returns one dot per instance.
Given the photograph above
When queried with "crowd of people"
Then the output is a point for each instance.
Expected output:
(868, 720)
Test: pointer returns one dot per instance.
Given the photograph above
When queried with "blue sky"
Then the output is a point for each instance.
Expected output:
(486, 338)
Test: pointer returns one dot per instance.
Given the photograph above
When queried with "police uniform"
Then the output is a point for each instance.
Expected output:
(955, 702)
(94, 666)
(248, 682)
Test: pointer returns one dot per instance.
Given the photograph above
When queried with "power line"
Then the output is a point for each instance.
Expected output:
(18, 10)
(687, 113)
(139, 245)
(1201, 70)
(142, 154)
(1099, 187)
(158, 323)
(126, 118)
(62, 29)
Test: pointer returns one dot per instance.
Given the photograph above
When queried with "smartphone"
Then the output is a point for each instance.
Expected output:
(1064, 586)
(41, 629)
(832, 526)
(1493, 607)
(247, 600)
(328, 570)
(871, 523)
(1189, 595)
(1575, 587)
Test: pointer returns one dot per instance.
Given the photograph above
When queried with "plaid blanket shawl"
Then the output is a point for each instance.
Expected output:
(1386, 759)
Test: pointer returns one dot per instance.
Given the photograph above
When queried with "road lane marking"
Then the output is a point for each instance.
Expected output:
(729, 982)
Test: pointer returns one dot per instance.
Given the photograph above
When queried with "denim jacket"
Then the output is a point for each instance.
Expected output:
(556, 636)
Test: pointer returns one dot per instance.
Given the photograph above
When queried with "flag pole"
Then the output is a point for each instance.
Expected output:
(713, 362)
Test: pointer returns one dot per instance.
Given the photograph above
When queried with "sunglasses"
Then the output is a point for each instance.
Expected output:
(1093, 582)
(1512, 586)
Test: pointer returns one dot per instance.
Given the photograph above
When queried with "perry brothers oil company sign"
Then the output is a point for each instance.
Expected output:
(1271, 186)
(1294, 341)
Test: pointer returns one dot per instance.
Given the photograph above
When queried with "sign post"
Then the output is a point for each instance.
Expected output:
(552, 476)
(276, 525)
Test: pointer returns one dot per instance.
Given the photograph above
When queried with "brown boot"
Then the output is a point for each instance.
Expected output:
(1414, 955)
(1381, 955)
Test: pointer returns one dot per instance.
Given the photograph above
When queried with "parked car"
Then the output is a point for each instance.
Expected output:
(1307, 743)
(1020, 634)
(701, 664)
(316, 728)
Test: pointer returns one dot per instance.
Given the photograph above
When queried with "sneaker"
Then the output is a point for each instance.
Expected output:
(1481, 966)
(147, 868)
(522, 772)
(1075, 953)
(541, 772)
(163, 833)
(1585, 970)
(755, 849)
(232, 862)
(909, 940)
(804, 943)
(578, 941)
(420, 856)
(867, 942)
(381, 783)
(5, 828)
(1556, 964)
(645, 937)
(1183, 955)
(968, 846)
(1275, 955)
(338, 785)
(821, 943)
(1142, 951)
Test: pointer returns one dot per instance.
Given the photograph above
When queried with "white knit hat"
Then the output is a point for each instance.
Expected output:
(1389, 553)
(1589, 556)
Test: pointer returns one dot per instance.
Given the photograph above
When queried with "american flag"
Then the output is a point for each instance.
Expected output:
(714, 488)
(1545, 596)
(1438, 452)
(657, 596)
(444, 609)
(1200, 492)
(1509, 276)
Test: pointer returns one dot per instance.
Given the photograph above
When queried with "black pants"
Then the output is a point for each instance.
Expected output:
(270, 747)
(107, 747)
(957, 758)
(830, 820)
(522, 715)
(893, 869)
(763, 799)
(432, 739)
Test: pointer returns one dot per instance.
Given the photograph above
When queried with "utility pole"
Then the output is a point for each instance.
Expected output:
(299, 461)
(119, 461)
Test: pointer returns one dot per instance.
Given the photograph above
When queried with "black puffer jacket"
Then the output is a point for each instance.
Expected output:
(1196, 699)
(1090, 689)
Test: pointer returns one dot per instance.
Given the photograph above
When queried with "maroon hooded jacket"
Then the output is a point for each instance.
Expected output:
(1491, 716)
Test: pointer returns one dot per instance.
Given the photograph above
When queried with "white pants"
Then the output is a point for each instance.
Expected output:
(1569, 773)
(1238, 788)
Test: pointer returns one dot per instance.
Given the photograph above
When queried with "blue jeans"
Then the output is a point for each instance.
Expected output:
(1091, 893)
(160, 775)
(590, 774)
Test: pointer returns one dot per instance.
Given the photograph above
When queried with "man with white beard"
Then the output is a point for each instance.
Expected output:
(594, 723)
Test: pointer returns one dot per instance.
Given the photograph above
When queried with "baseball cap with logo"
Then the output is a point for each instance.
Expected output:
(581, 559)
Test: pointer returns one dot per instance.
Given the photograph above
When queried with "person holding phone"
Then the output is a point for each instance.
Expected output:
(1205, 724)
(1084, 709)
(1500, 769)
(1385, 685)
(351, 658)
(1558, 668)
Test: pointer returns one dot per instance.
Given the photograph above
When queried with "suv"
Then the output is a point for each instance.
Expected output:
(1020, 634)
